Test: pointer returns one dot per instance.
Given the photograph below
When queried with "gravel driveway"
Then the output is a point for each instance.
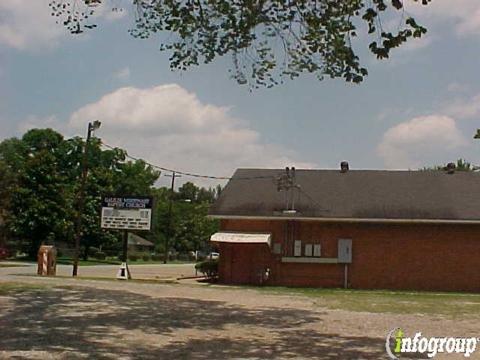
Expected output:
(70, 319)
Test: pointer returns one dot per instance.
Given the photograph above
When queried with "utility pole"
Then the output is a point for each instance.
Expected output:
(170, 205)
(81, 194)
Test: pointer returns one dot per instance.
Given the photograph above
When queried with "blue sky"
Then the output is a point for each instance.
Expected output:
(417, 109)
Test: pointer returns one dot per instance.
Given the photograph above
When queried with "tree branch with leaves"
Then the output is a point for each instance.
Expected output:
(268, 40)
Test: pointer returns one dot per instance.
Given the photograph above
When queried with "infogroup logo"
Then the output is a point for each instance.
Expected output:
(397, 343)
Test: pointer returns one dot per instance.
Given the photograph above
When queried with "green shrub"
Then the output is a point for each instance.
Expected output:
(100, 255)
(183, 257)
(209, 268)
(93, 250)
(146, 257)
(157, 257)
(132, 257)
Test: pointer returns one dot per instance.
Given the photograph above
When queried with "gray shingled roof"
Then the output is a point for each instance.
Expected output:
(135, 240)
(356, 194)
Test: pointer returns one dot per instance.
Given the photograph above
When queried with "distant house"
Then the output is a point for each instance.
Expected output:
(343, 228)
(139, 244)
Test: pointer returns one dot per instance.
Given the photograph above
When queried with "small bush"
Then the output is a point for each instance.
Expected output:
(3, 253)
(146, 257)
(92, 251)
(209, 268)
(133, 257)
(183, 257)
(157, 257)
(100, 255)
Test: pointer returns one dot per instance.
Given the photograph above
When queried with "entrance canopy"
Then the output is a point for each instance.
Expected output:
(242, 238)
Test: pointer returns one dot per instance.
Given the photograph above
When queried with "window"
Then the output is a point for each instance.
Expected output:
(308, 250)
(297, 250)
(317, 250)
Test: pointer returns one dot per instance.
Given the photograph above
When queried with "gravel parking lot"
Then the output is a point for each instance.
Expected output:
(60, 318)
(157, 271)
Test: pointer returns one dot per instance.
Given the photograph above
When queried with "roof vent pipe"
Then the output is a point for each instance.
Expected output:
(450, 168)
(344, 166)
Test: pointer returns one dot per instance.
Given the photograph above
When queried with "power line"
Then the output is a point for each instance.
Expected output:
(162, 168)
(178, 173)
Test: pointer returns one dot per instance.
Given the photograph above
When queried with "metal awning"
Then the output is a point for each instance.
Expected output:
(242, 238)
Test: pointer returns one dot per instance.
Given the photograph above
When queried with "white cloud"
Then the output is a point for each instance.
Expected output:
(421, 141)
(461, 108)
(29, 25)
(169, 126)
(122, 74)
(465, 14)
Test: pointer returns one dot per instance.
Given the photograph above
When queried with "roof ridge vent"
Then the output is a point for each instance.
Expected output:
(344, 167)
(450, 168)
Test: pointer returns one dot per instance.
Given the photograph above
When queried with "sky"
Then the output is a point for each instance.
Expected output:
(419, 108)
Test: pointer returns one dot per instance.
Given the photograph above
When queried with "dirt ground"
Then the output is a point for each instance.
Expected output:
(70, 319)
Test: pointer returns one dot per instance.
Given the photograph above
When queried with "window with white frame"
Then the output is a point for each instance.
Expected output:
(297, 249)
(317, 250)
(308, 250)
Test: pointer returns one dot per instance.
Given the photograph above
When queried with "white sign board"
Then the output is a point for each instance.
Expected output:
(126, 213)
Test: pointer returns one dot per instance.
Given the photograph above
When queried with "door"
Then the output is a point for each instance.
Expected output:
(248, 263)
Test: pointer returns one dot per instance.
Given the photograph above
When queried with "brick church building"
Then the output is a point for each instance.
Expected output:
(362, 229)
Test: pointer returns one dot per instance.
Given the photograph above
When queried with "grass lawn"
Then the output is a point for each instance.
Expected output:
(383, 301)
(153, 262)
(10, 265)
(64, 260)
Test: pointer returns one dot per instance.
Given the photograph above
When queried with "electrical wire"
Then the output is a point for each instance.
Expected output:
(162, 168)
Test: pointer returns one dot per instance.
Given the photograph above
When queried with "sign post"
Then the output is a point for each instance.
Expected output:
(126, 213)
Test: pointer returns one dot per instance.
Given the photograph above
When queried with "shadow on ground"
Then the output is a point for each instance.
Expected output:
(116, 324)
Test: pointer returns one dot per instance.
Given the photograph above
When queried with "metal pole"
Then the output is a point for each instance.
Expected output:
(125, 254)
(81, 195)
(81, 201)
(125, 246)
(169, 229)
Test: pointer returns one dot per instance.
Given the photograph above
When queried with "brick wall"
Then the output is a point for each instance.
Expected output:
(385, 256)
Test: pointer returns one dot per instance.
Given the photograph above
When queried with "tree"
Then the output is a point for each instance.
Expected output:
(39, 205)
(460, 165)
(191, 228)
(188, 191)
(39, 186)
(8, 180)
(267, 40)
(135, 178)
(109, 174)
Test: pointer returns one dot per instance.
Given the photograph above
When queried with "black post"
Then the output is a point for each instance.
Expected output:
(169, 229)
(81, 196)
(125, 246)
(125, 254)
